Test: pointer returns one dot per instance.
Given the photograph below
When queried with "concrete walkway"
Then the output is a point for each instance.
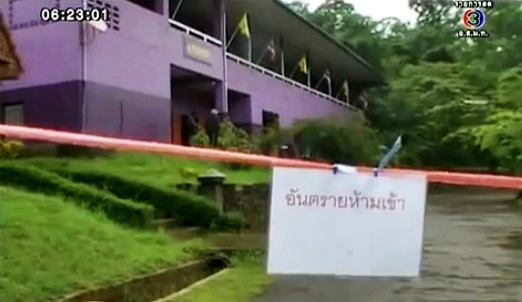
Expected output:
(472, 252)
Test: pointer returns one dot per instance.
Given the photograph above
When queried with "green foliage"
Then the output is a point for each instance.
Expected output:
(188, 173)
(200, 139)
(430, 75)
(230, 221)
(233, 138)
(52, 248)
(501, 136)
(270, 141)
(186, 208)
(230, 138)
(10, 149)
(37, 180)
(66, 150)
(347, 140)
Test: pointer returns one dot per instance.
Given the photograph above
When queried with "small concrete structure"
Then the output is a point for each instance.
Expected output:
(211, 185)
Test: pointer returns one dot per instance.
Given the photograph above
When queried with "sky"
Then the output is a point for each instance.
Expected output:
(376, 9)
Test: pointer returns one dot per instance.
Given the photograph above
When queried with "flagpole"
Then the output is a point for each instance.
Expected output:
(329, 87)
(262, 56)
(329, 81)
(293, 71)
(250, 48)
(307, 69)
(282, 55)
(308, 73)
(232, 36)
(319, 83)
(224, 53)
(176, 10)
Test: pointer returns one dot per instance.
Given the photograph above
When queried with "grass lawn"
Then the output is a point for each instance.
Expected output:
(244, 281)
(161, 170)
(247, 241)
(50, 248)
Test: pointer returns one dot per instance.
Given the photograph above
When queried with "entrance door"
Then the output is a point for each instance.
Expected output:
(185, 130)
(176, 122)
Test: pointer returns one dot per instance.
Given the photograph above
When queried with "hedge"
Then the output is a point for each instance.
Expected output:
(37, 180)
(188, 209)
(229, 221)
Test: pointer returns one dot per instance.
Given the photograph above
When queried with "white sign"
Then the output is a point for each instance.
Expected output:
(346, 224)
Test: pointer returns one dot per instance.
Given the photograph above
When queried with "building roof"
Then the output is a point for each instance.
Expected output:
(10, 63)
(378, 77)
(272, 20)
(268, 17)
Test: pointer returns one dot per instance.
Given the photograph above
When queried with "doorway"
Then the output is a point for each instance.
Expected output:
(189, 127)
(270, 121)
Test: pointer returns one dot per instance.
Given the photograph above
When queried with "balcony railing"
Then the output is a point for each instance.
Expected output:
(211, 40)
(195, 33)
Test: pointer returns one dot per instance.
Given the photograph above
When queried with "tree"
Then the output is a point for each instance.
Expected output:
(431, 77)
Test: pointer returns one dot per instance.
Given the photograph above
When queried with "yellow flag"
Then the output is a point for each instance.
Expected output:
(303, 66)
(346, 90)
(243, 26)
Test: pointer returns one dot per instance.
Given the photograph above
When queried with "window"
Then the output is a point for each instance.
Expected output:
(13, 114)
(114, 12)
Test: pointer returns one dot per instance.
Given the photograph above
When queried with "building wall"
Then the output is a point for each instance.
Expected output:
(273, 95)
(50, 52)
(134, 57)
(138, 56)
(124, 113)
(55, 106)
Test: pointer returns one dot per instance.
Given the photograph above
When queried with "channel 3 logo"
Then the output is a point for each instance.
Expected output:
(473, 19)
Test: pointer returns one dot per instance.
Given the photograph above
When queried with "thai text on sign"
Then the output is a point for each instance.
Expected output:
(346, 224)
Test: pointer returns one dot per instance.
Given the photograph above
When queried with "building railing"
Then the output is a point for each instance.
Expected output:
(195, 33)
(280, 77)
(211, 40)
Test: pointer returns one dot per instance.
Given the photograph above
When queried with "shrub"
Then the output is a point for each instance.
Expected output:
(45, 182)
(188, 173)
(186, 208)
(66, 150)
(229, 221)
(10, 149)
(271, 141)
(349, 140)
(232, 138)
(200, 139)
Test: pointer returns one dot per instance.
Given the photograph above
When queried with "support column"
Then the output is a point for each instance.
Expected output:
(162, 7)
(219, 101)
(219, 24)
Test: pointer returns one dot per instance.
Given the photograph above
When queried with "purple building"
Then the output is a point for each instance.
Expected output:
(159, 60)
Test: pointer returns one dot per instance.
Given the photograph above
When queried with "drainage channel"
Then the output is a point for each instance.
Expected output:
(160, 285)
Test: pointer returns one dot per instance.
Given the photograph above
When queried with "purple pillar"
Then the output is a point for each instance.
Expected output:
(219, 25)
(219, 102)
(162, 7)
